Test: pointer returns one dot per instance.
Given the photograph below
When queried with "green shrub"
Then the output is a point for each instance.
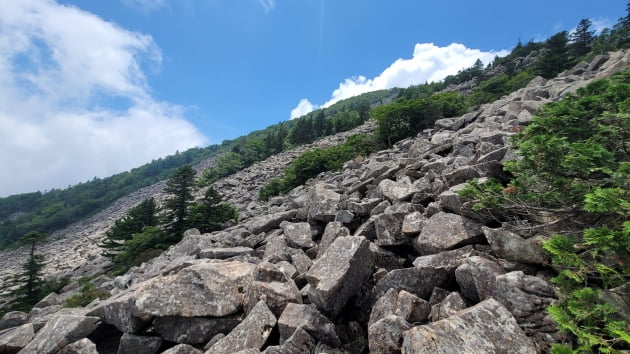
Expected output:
(89, 292)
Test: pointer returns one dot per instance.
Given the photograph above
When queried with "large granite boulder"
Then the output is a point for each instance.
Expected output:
(484, 328)
(418, 281)
(249, 334)
(14, 339)
(307, 317)
(274, 294)
(59, 332)
(206, 288)
(339, 274)
(193, 330)
(82, 346)
(477, 278)
(136, 344)
(513, 247)
(444, 231)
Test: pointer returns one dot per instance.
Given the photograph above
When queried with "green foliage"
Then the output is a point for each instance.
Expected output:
(312, 162)
(210, 214)
(52, 210)
(180, 188)
(140, 248)
(89, 292)
(575, 165)
(556, 58)
(141, 216)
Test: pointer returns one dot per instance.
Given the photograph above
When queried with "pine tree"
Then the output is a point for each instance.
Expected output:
(556, 56)
(30, 283)
(210, 214)
(180, 188)
(138, 218)
(582, 38)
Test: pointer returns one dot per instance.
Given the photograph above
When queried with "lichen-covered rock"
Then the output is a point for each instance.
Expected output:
(413, 223)
(264, 223)
(477, 278)
(311, 320)
(484, 328)
(206, 288)
(82, 346)
(323, 204)
(339, 273)
(412, 308)
(449, 260)
(225, 252)
(331, 232)
(299, 235)
(249, 334)
(299, 342)
(59, 332)
(513, 247)
(386, 334)
(418, 281)
(14, 339)
(193, 330)
(274, 294)
(183, 349)
(385, 305)
(388, 230)
(136, 344)
(395, 191)
(444, 231)
(450, 305)
(13, 319)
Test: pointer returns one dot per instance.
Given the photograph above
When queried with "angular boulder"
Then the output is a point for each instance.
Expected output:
(135, 344)
(418, 281)
(477, 278)
(249, 334)
(307, 317)
(275, 295)
(14, 339)
(513, 247)
(193, 330)
(484, 328)
(339, 274)
(82, 346)
(59, 332)
(444, 231)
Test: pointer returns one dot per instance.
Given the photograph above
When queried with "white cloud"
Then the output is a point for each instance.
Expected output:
(145, 6)
(428, 63)
(268, 5)
(74, 100)
(305, 106)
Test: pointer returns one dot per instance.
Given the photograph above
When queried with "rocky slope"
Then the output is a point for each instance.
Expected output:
(379, 257)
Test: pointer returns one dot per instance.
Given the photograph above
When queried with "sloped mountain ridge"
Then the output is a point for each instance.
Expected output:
(379, 256)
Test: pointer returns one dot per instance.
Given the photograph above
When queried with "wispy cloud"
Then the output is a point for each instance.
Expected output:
(145, 6)
(74, 99)
(268, 5)
(428, 63)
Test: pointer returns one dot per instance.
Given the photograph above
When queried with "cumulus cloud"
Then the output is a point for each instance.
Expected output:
(268, 5)
(428, 63)
(305, 106)
(74, 100)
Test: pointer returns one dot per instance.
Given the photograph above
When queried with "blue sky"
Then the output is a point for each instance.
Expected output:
(91, 88)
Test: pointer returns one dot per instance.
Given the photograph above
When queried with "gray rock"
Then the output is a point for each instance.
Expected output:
(299, 342)
(13, 319)
(183, 349)
(299, 235)
(249, 334)
(418, 281)
(82, 346)
(193, 330)
(223, 253)
(395, 191)
(331, 232)
(276, 249)
(275, 295)
(619, 300)
(344, 216)
(413, 223)
(450, 305)
(323, 204)
(448, 260)
(311, 320)
(477, 278)
(412, 308)
(484, 328)
(363, 207)
(444, 231)
(14, 339)
(339, 273)
(514, 248)
(386, 334)
(206, 288)
(135, 344)
(267, 222)
(268, 272)
(51, 299)
(380, 208)
(523, 295)
(388, 230)
(385, 305)
(59, 332)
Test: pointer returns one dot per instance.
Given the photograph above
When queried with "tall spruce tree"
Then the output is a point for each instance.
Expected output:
(582, 38)
(180, 188)
(30, 283)
(210, 214)
(556, 56)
